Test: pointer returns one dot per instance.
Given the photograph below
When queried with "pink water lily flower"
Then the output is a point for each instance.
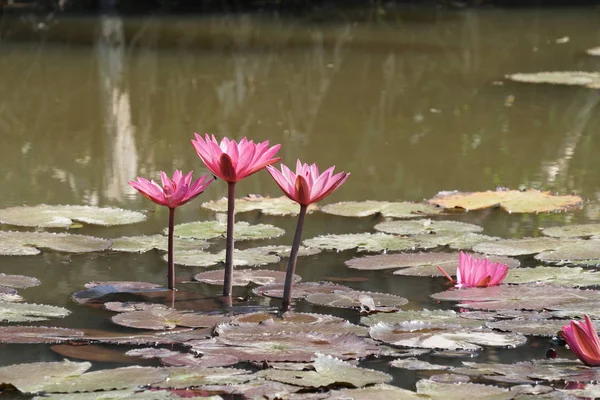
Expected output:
(233, 161)
(307, 185)
(475, 272)
(173, 192)
(582, 338)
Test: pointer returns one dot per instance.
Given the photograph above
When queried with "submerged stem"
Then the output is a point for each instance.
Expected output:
(291, 267)
(228, 278)
(171, 266)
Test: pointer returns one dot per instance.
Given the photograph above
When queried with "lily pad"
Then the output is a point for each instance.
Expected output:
(9, 295)
(513, 201)
(266, 205)
(300, 290)
(577, 250)
(96, 290)
(251, 257)
(456, 339)
(520, 247)
(575, 78)
(328, 371)
(62, 216)
(91, 352)
(373, 242)
(126, 394)
(376, 392)
(215, 229)
(576, 310)
(434, 317)
(452, 391)
(244, 277)
(18, 281)
(184, 377)
(344, 299)
(45, 373)
(142, 244)
(562, 276)
(572, 231)
(26, 312)
(535, 327)
(402, 209)
(120, 306)
(423, 226)
(27, 243)
(413, 364)
(272, 326)
(37, 334)
(158, 318)
(527, 296)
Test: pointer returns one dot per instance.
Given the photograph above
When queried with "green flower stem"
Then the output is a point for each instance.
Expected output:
(228, 278)
(291, 267)
(171, 272)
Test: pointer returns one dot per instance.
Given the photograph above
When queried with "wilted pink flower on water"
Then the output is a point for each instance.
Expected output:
(307, 185)
(475, 272)
(173, 192)
(233, 161)
(582, 338)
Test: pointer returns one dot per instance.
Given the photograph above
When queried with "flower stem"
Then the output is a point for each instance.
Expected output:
(171, 271)
(228, 278)
(291, 267)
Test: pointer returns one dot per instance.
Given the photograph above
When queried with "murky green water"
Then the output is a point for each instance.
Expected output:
(410, 104)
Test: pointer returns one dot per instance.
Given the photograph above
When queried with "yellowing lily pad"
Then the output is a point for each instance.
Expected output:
(266, 205)
(575, 78)
(62, 216)
(142, 244)
(244, 277)
(402, 209)
(562, 276)
(27, 243)
(426, 226)
(513, 201)
(214, 229)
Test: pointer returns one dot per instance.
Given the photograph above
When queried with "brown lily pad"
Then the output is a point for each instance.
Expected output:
(37, 334)
(513, 201)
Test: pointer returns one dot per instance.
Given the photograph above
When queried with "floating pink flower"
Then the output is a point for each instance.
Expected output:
(307, 186)
(582, 338)
(475, 272)
(232, 161)
(174, 192)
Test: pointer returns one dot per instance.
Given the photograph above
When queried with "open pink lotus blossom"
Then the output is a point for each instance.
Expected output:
(582, 338)
(232, 161)
(174, 192)
(307, 186)
(475, 272)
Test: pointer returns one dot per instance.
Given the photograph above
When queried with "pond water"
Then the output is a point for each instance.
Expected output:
(411, 103)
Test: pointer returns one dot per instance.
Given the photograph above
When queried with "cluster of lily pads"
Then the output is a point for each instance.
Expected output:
(210, 347)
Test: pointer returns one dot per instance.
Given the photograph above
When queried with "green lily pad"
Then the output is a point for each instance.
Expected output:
(456, 339)
(244, 277)
(215, 229)
(401, 209)
(27, 243)
(108, 379)
(62, 216)
(520, 247)
(300, 290)
(18, 281)
(526, 296)
(25, 312)
(452, 391)
(572, 231)
(535, 327)
(45, 373)
(251, 257)
(266, 205)
(468, 240)
(159, 319)
(435, 317)
(328, 371)
(577, 250)
(562, 276)
(513, 201)
(354, 299)
(423, 226)
(142, 244)
(575, 78)
(373, 242)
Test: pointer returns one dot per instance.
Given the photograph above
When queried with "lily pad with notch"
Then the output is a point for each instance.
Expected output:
(513, 201)
(62, 216)
(216, 229)
(29, 243)
(144, 243)
(401, 209)
(277, 206)
(245, 277)
(426, 226)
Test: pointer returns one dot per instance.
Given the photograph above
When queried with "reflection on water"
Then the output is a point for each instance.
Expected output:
(409, 105)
